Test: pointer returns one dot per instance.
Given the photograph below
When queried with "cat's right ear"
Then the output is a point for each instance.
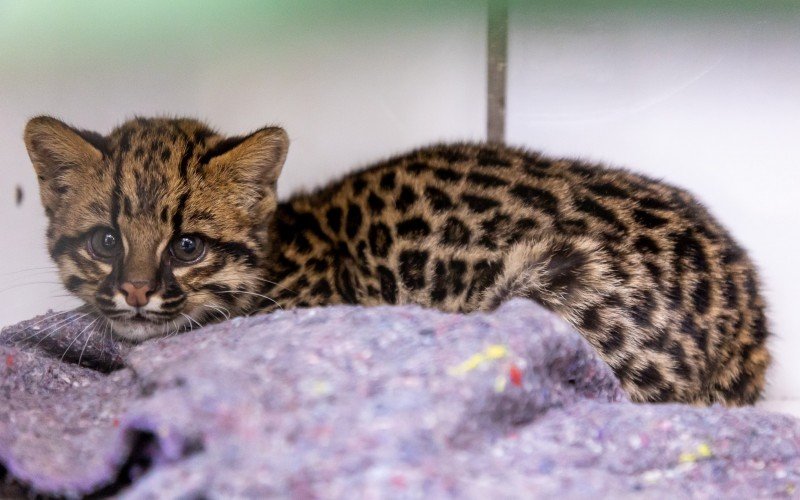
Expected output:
(59, 153)
(55, 148)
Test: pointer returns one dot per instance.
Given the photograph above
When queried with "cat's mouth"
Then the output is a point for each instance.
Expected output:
(139, 326)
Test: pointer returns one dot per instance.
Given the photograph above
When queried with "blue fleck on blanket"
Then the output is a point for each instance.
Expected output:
(353, 402)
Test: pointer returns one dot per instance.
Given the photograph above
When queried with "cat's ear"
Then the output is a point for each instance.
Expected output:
(55, 148)
(257, 158)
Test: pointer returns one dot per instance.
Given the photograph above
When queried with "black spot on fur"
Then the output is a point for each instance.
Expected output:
(73, 283)
(590, 319)
(387, 181)
(416, 167)
(447, 174)
(166, 154)
(759, 328)
(448, 279)
(388, 284)
(287, 266)
(438, 199)
(439, 287)
(451, 155)
(457, 271)
(732, 254)
(525, 225)
(690, 328)
(414, 227)
(455, 232)
(235, 250)
(177, 216)
(334, 218)
(536, 172)
(642, 309)
(363, 260)
(648, 219)
(301, 243)
(318, 265)
(412, 268)
(343, 250)
(655, 271)
(701, 296)
(678, 356)
(358, 186)
(479, 204)
(583, 170)
(595, 209)
(494, 231)
(751, 288)
(488, 158)
(649, 376)
(346, 286)
(536, 198)
(688, 248)
(65, 244)
(380, 239)
(645, 244)
(485, 273)
(322, 289)
(127, 208)
(375, 203)
(654, 203)
(611, 190)
(354, 218)
(406, 198)
(612, 339)
(730, 292)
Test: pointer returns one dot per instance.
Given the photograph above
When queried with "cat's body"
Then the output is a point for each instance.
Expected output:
(642, 270)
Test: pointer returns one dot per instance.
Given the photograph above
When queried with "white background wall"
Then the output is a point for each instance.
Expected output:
(708, 99)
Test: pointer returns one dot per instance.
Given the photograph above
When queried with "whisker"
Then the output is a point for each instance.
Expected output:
(175, 333)
(76, 338)
(32, 283)
(225, 313)
(191, 327)
(80, 358)
(31, 270)
(273, 283)
(52, 328)
(253, 293)
(49, 317)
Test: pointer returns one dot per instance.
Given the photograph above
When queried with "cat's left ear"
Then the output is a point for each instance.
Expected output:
(255, 159)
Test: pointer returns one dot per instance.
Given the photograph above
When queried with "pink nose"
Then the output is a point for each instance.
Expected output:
(136, 292)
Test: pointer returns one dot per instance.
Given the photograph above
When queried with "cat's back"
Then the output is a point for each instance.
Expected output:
(638, 266)
(484, 181)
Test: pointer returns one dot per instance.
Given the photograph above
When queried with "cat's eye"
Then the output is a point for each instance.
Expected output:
(104, 243)
(187, 248)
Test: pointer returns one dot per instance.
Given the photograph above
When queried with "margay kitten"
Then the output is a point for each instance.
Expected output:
(165, 220)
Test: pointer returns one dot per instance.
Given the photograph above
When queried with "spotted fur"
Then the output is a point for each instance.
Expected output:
(639, 267)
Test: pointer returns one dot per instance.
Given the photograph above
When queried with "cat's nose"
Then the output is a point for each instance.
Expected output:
(137, 293)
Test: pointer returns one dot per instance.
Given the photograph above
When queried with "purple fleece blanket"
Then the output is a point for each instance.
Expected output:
(362, 402)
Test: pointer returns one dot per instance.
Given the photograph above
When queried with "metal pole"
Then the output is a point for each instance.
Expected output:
(497, 52)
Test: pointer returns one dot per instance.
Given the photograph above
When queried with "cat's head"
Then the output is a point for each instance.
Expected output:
(161, 223)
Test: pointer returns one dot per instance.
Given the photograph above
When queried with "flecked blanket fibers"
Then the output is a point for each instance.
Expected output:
(353, 402)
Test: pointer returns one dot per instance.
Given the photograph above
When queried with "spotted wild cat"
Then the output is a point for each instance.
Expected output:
(164, 222)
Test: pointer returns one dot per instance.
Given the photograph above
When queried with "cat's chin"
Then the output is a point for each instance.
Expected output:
(137, 331)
